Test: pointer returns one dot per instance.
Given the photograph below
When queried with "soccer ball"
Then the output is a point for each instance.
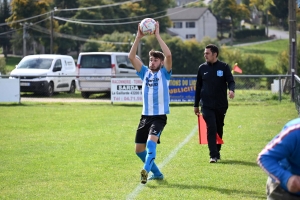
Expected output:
(147, 26)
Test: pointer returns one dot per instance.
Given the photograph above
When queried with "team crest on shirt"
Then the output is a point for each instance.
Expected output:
(219, 73)
(152, 82)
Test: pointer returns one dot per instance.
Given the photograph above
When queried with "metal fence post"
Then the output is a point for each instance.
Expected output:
(280, 88)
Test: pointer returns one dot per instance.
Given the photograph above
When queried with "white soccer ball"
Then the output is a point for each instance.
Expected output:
(147, 26)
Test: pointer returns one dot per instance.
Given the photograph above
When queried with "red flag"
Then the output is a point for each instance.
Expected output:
(203, 132)
(237, 69)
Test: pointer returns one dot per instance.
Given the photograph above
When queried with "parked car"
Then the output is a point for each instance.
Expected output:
(95, 70)
(46, 74)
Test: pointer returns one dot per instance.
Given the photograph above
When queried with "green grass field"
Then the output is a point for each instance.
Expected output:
(269, 50)
(86, 151)
(11, 63)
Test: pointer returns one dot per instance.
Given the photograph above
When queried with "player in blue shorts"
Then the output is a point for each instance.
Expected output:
(155, 91)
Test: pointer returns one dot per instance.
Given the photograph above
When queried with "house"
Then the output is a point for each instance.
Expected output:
(190, 23)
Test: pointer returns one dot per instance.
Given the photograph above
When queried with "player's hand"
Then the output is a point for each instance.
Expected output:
(293, 184)
(156, 32)
(231, 94)
(139, 33)
(196, 111)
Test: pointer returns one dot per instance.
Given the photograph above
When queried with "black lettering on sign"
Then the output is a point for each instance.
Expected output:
(129, 87)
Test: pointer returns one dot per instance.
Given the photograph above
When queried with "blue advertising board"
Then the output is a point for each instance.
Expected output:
(182, 89)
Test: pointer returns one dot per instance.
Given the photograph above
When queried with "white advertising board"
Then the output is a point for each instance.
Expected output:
(9, 90)
(126, 90)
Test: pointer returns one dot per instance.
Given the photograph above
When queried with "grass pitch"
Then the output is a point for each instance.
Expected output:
(86, 151)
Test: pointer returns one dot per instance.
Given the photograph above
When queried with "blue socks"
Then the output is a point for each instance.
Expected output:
(149, 164)
(151, 153)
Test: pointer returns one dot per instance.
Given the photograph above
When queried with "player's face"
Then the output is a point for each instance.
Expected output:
(210, 56)
(155, 63)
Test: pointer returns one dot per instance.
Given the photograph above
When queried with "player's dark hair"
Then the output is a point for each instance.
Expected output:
(213, 48)
(157, 54)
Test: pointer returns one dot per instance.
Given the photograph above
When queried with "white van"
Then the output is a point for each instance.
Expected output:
(46, 74)
(95, 69)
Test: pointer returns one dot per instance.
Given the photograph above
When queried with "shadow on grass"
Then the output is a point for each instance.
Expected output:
(238, 162)
(11, 104)
(250, 194)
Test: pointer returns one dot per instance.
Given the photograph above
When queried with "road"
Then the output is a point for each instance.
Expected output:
(279, 34)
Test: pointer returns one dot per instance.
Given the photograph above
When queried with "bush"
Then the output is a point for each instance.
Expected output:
(3, 66)
(247, 33)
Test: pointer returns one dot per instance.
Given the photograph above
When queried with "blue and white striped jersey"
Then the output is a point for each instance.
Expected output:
(155, 90)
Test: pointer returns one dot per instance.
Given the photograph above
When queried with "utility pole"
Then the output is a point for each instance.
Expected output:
(51, 33)
(292, 43)
(24, 38)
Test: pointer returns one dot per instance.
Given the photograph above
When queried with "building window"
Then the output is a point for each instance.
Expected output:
(190, 36)
(190, 24)
(177, 25)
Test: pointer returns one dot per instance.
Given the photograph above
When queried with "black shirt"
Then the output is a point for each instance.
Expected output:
(212, 83)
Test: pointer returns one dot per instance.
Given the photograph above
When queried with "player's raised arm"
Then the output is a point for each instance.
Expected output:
(137, 63)
(165, 49)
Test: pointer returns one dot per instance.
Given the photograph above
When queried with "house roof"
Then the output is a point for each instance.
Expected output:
(171, 33)
(185, 13)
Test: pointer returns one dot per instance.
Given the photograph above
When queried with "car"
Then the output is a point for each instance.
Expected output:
(46, 74)
(95, 70)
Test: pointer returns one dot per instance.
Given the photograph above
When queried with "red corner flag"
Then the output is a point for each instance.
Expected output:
(237, 69)
(203, 132)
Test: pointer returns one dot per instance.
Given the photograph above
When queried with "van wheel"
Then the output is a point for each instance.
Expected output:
(85, 95)
(72, 88)
(50, 90)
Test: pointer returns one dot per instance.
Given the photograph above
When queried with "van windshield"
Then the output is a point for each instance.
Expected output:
(35, 63)
(95, 61)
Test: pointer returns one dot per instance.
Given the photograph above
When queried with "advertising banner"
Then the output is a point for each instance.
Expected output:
(126, 90)
(182, 89)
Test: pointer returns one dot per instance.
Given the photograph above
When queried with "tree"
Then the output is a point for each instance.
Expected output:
(280, 10)
(22, 9)
(229, 8)
(65, 4)
(199, 3)
(63, 45)
(124, 13)
(4, 38)
(264, 6)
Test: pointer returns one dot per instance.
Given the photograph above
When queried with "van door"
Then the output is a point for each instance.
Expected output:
(57, 79)
(65, 80)
(100, 67)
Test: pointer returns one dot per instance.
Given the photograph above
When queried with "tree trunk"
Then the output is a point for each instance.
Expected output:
(231, 32)
(267, 24)
(5, 47)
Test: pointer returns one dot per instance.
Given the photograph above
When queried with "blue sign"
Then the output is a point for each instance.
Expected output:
(182, 89)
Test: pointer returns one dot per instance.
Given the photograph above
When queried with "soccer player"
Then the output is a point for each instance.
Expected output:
(280, 159)
(155, 91)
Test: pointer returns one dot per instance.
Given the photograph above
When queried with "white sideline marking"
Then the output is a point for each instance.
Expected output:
(140, 187)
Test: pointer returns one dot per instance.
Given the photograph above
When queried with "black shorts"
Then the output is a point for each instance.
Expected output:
(150, 125)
